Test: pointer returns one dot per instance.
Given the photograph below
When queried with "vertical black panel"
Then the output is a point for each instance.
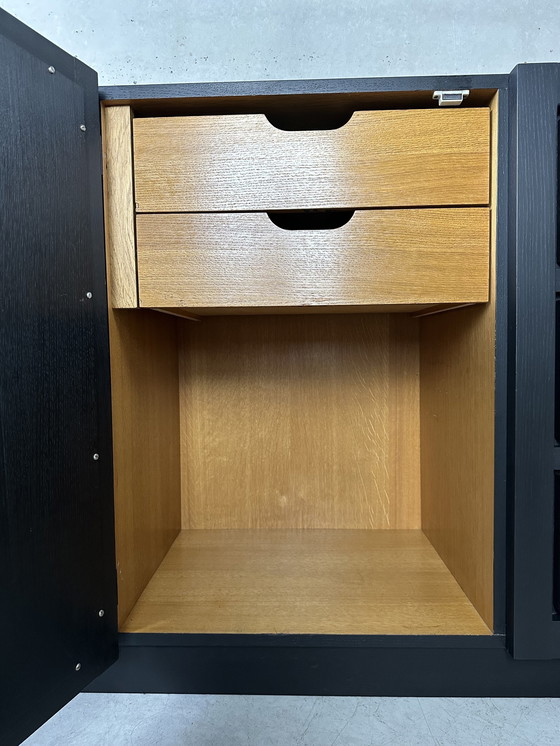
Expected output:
(533, 629)
(502, 382)
(57, 567)
(556, 571)
(557, 376)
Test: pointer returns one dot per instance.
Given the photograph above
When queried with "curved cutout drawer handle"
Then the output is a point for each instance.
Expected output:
(309, 120)
(316, 220)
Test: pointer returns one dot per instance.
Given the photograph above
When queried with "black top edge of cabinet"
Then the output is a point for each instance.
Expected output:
(240, 89)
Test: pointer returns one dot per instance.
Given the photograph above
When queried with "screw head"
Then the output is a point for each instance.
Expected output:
(101, 612)
(83, 127)
(78, 666)
(51, 69)
(89, 295)
(96, 457)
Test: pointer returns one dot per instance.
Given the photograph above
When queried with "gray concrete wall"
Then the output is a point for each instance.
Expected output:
(158, 41)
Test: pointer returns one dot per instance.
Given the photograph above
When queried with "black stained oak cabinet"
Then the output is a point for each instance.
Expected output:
(208, 485)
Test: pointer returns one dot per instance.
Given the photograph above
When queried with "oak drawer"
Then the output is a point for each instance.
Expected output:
(377, 159)
(229, 260)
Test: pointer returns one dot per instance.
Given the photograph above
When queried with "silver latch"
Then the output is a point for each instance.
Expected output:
(450, 98)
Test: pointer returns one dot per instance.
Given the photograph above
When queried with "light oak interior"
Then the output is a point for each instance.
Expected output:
(288, 473)
(146, 451)
(118, 195)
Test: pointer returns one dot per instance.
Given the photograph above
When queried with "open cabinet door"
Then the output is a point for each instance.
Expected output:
(534, 511)
(57, 564)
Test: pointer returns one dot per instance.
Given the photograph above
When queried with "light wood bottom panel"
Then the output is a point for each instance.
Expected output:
(304, 582)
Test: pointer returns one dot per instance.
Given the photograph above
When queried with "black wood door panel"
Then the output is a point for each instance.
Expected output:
(534, 93)
(57, 565)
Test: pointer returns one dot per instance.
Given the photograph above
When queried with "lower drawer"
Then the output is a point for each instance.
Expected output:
(379, 257)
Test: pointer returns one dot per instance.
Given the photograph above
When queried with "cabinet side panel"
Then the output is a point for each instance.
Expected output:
(144, 376)
(145, 446)
(119, 206)
(300, 422)
(457, 383)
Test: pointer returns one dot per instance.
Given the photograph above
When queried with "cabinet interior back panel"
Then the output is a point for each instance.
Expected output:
(300, 422)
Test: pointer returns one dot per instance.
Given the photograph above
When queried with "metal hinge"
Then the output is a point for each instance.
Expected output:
(450, 98)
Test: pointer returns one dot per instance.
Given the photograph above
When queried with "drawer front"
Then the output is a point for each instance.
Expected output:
(379, 257)
(378, 159)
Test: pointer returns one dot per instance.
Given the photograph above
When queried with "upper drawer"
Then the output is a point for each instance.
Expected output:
(378, 159)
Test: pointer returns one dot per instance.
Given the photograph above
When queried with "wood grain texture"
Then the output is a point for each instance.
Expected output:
(378, 257)
(457, 373)
(145, 394)
(300, 422)
(304, 582)
(119, 206)
(378, 159)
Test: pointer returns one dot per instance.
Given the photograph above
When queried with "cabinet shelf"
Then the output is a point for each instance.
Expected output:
(304, 581)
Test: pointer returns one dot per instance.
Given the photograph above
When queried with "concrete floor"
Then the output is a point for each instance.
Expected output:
(153, 41)
(173, 719)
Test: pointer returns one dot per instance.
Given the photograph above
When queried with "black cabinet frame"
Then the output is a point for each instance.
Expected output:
(525, 627)
(49, 263)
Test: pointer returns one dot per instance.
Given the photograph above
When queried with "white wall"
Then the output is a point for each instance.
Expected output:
(158, 41)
